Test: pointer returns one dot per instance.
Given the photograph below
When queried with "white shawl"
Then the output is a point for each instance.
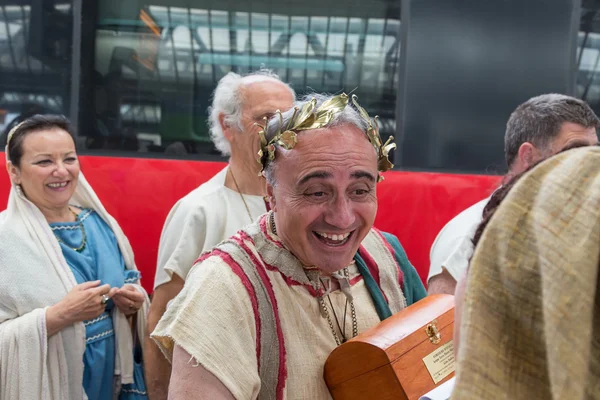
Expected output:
(34, 275)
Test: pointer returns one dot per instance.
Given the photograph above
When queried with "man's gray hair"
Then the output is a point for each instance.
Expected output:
(227, 99)
(539, 120)
(349, 116)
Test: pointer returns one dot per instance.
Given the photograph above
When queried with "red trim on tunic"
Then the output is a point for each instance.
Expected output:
(202, 257)
(249, 288)
(355, 280)
(372, 267)
(393, 253)
(265, 230)
(282, 374)
(289, 281)
(370, 262)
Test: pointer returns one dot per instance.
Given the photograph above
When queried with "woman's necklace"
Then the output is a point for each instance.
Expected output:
(83, 237)
(241, 195)
(325, 312)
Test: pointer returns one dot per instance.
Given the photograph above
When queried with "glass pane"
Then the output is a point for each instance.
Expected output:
(468, 65)
(159, 62)
(35, 60)
(588, 55)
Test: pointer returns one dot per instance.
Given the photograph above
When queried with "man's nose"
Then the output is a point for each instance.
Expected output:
(341, 213)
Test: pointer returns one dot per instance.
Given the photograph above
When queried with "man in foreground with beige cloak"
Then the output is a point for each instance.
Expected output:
(530, 319)
(260, 313)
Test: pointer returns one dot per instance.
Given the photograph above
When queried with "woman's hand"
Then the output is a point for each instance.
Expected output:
(128, 299)
(84, 302)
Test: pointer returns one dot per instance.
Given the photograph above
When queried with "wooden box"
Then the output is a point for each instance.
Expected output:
(401, 358)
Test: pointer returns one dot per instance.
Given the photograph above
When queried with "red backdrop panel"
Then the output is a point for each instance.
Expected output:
(415, 206)
(139, 192)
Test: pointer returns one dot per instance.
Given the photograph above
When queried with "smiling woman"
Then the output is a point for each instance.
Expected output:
(68, 282)
(44, 163)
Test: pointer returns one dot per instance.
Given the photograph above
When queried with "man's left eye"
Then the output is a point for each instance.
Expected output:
(267, 116)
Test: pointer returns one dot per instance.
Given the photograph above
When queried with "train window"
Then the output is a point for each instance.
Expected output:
(139, 78)
(157, 63)
(35, 60)
(468, 65)
(588, 55)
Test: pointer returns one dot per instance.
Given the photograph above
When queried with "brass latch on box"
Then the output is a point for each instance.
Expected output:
(432, 331)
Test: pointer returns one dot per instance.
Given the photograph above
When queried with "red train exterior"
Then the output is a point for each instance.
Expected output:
(139, 192)
(443, 75)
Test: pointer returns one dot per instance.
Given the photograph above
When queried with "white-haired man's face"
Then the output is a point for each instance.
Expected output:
(259, 100)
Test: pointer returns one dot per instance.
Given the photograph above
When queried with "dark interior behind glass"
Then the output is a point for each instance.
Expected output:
(136, 76)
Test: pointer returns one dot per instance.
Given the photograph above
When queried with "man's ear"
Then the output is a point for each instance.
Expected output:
(14, 173)
(271, 196)
(226, 128)
(528, 155)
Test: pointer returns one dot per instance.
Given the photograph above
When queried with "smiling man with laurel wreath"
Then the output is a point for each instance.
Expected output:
(260, 313)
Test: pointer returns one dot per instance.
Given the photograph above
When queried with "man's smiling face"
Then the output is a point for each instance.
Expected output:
(324, 195)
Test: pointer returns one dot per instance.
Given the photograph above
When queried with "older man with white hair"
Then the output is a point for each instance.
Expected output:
(218, 208)
(260, 313)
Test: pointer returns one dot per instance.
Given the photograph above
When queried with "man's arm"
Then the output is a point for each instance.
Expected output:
(191, 380)
(452, 250)
(157, 367)
(442, 283)
(455, 265)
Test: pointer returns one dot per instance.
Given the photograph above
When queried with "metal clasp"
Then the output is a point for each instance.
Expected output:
(432, 332)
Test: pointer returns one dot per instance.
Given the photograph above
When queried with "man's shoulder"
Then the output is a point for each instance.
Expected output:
(239, 251)
(207, 189)
(455, 236)
(213, 262)
(377, 243)
(463, 223)
(472, 213)
(225, 259)
(203, 197)
(380, 237)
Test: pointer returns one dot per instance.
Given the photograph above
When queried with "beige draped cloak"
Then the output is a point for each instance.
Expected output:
(531, 318)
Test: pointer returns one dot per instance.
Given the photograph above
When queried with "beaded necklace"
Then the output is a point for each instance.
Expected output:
(325, 311)
(83, 236)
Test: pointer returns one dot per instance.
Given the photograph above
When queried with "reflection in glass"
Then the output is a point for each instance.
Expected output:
(588, 56)
(160, 64)
(35, 60)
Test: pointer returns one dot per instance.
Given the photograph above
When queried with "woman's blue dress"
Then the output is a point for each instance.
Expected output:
(101, 260)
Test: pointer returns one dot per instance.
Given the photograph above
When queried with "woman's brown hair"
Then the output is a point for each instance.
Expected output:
(33, 124)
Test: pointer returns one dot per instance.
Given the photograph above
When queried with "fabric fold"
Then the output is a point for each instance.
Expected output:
(531, 312)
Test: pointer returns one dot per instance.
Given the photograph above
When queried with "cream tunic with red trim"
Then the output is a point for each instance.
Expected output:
(218, 317)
